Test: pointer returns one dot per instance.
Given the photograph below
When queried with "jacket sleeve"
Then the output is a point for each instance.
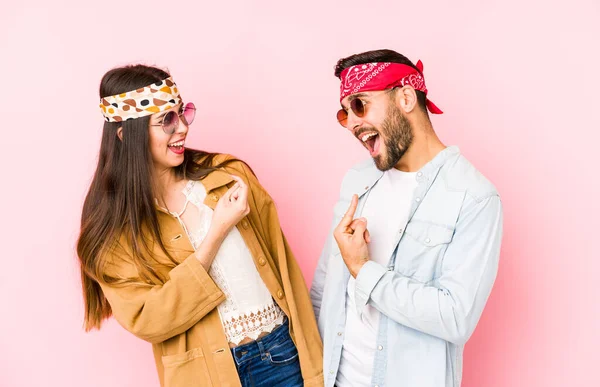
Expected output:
(157, 313)
(303, 324)
(450, 307)
(295, 289)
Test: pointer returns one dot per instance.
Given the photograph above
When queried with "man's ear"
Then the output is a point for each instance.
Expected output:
(120, 133)
(406, 99)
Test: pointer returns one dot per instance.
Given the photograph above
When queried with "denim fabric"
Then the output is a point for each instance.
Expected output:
(271, 361)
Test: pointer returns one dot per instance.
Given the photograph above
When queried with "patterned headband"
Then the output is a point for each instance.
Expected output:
(382, 76)
(154, 98)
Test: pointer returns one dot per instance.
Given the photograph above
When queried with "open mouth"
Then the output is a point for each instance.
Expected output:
(371, 141)
(177, 147)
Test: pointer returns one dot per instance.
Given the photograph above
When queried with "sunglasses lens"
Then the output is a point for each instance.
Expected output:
(189, 113)
(358, 107)
(342, 117)
(170, 122)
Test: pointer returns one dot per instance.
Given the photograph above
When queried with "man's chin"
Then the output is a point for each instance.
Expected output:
(381, 164)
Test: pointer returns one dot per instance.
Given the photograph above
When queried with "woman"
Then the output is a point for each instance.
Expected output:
(185, 249)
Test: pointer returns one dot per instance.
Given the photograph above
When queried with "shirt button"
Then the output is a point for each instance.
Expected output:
(262, 261)
(367, 187)
(400, 231)
(380, 347)
(280, 294)
(427, 240)
(418, 199)
(215, 197)
(420, 174)
(339, 333)
(331, 372)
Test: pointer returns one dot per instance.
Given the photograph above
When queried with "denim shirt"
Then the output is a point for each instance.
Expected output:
(434, 289)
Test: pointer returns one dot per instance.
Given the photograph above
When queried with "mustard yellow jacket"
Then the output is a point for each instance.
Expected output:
(179, 317)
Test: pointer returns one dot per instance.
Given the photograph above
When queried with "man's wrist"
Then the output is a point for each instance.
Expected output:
(356, 267)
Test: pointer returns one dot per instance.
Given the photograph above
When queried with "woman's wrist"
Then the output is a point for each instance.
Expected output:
(209, 247)
(218, 231)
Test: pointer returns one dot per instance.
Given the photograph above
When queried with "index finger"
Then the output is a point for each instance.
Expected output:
(347, 219)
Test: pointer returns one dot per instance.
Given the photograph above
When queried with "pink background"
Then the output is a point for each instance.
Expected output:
(518, 81)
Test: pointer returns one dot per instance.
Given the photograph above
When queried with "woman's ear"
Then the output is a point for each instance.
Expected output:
(120, 133)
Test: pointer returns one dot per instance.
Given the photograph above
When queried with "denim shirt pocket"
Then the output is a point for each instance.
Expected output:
(421, 248)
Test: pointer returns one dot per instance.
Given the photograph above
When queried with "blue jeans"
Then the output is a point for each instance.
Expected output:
(271, 361)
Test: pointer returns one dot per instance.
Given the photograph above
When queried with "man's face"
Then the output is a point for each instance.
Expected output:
(380, 126)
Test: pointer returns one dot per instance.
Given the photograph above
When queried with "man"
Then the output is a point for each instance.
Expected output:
(413, 254)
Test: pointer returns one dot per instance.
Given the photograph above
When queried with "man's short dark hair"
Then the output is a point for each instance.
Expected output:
(380, 56)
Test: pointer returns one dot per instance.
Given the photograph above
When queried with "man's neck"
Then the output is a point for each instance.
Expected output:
(425, 146)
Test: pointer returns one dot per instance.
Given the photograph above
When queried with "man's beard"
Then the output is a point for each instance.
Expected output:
(397, 132)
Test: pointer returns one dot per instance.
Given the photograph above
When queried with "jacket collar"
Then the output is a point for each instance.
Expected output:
(216, 179)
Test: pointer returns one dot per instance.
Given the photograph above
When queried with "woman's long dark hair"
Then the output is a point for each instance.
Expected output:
(120, 201)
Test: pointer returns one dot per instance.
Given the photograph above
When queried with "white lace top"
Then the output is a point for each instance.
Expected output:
(249, 309)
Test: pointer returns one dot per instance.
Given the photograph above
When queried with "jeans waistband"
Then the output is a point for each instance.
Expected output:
(257, 348)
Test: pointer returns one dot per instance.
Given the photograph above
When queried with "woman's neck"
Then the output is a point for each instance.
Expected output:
(167, 187)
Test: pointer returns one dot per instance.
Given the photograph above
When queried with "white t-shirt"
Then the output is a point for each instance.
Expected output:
(386, 210)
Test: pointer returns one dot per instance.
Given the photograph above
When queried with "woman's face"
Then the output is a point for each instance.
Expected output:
(167, 149)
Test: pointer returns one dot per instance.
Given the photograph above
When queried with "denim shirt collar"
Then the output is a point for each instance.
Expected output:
(369, 174)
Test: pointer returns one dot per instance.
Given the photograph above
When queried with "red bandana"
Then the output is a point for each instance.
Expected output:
(383, 76)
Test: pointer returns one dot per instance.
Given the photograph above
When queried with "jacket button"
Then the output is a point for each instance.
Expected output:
(245, 223)
(215, 197)
(280, 294)
(262, 261)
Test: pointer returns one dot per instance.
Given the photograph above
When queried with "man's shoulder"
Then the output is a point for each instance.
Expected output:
(460, 174)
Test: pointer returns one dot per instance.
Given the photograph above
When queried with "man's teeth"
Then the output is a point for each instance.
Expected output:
(367, 136)
(177, 144)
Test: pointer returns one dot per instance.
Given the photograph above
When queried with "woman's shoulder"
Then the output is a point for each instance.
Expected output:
(217, 160)
(235, 166)
(219, 165)
(232, 165)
